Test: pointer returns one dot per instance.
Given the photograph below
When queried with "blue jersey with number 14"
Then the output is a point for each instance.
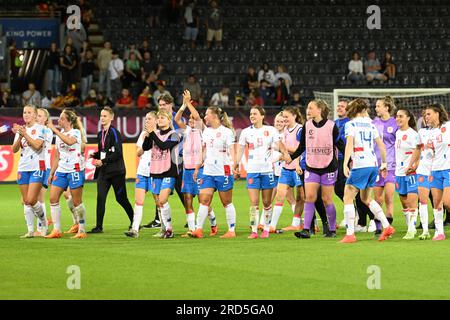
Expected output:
(364, 134)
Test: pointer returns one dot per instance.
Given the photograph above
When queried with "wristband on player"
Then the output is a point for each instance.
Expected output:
(383, 166)
(183, 107)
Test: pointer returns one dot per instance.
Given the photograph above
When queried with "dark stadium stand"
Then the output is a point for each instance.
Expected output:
(312, 38)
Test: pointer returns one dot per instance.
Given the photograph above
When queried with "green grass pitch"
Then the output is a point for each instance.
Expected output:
(282, 267)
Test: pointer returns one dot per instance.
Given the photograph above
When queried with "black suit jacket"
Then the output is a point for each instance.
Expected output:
(113, 163)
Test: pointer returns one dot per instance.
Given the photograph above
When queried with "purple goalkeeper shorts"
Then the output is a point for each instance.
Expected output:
(326, 179)
(390, 178)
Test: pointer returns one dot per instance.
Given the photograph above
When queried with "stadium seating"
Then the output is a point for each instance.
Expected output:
(313, 38)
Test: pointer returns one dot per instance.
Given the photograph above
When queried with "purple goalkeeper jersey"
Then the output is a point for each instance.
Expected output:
(387, 130)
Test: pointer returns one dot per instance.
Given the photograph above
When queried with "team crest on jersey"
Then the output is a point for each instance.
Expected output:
(33, 132)
(390, 129)
(443, 129)
(404, 137)
(218, 135)
(266, 133)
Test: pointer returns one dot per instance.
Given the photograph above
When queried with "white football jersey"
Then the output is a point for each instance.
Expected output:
(48, 147)
(440, 138)
(277, 165)
(145, 158)
(260, 144)
(69, 156)
(30, 159)
(364, 134)
(426, 155)
(218, 143)
(405, 144)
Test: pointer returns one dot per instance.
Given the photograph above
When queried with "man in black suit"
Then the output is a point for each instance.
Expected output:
(110, 168)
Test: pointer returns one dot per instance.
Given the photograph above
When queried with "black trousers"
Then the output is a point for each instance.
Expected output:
(120, 191)
(178, 184)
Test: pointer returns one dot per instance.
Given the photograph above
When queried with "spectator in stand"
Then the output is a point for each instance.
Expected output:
(153, 11)
(194, 88)
(147, 65)
(281, 93)
(145, 47)
(266, 73)
(125, 100)
(221, 99)
(150, 81)
(31, 96)
(161, 89)
(214, 25)
(131, 49)
(53, 69)
(266, 92)
(145, 100)
(115, 73)
(103, 59)
(355, 68)
(48, 100)
(191, 23)
(70, 100)
(373, 68)
(68, 62)
(388, 67)
(173, 11)
(254, 99)
(250, 81)
(132, 73)
(91, 99)
(87, 73)
(282, 73)
(86, 13)
(15, 65)
(77, 37)
(103, 101)
(6, 100)
(296, 100)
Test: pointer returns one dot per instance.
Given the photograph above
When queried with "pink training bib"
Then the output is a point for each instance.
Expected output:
(319, 145)
(161, 161)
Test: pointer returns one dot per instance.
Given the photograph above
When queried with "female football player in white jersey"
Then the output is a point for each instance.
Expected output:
(260, 140)
(67, 172)
(290, 173)
(437, 119)
(361, 134)
(423, 175)
(192, 156)
(42, 118)
(30, 141)
(280, 124)
(218, 159)
(143, 179)
(69, 201)
(407, 155)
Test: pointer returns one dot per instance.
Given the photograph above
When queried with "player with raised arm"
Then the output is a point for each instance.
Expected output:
(260, 140)
(192, 156)
(67, 172)
(30, 141)
(407, 150)
(361, 134)
(218, 162)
